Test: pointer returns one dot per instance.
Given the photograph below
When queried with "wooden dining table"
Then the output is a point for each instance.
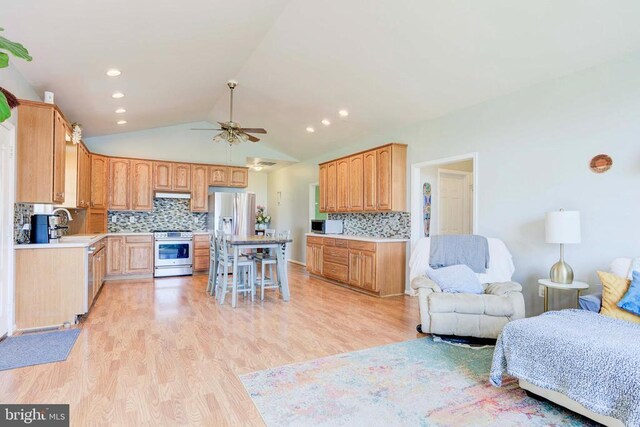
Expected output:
(274, 244)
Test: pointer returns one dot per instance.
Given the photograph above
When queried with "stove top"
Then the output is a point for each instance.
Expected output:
(172, 231)
(164, 234)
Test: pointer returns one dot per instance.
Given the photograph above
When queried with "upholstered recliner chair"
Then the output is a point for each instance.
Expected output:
(470, 315)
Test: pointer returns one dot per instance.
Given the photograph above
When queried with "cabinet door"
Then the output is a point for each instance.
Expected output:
(369, 186)
(384, 178)
(181, 177)
(354, 268)
(331, 187)
(310, 259)
(59, 153)
(319, 259)
(85, 177)
(138, 258)
(322, 183)
(342, 185)
(356, 191)
(238, 177)
(368, 270)
(162, 176)
(115, 256)
(141, 185)
(97, 219)
(99, 181)
(199, 188)
(219, 176)
(119, 197)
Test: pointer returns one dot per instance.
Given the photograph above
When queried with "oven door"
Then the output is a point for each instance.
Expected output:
(171, 253)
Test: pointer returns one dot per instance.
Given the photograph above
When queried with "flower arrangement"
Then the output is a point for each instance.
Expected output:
(262, 219)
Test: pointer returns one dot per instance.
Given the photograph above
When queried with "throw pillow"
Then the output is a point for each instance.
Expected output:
(631, 300)
(613, 289)
(456, 279)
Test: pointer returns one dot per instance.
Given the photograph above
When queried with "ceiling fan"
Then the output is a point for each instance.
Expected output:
(231, 132)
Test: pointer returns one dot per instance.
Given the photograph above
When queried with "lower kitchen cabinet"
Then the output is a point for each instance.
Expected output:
(129, 255)
(373, 267)
(201, 252)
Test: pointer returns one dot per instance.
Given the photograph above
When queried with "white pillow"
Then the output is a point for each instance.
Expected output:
(624, 267)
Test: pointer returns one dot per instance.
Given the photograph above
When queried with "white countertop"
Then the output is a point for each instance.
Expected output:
(360, 238)
(85, 240)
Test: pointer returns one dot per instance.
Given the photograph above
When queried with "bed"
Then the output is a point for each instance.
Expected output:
(584, 361)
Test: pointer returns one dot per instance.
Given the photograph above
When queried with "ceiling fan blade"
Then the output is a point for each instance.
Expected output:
(224, 125)
(204, 129)
(254, 130)
(252, 138)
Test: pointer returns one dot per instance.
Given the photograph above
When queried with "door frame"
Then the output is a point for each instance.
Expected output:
(8, 203)
(416, 192)
(467, 192)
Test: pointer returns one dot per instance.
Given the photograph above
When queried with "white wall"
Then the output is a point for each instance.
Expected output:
(258, 183)
(13, 81)
(180, 143)
(534, 148)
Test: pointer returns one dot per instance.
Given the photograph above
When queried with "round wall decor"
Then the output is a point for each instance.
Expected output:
(600, 163)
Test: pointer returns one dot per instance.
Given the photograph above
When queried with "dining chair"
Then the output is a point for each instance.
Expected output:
(244, 283)
(270, 259)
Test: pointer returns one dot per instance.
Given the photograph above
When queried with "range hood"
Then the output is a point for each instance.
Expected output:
(160, 195)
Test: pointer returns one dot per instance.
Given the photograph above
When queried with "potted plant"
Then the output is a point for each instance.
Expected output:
(7, 100)
(262, 219)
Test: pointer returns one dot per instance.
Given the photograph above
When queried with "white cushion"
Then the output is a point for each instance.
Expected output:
(621, 267)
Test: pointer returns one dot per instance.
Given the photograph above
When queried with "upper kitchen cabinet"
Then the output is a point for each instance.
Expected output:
(239, 177)
(141, 180)
(41, 153)
(99, 181)
(181, 177)
(77, 180)
(219, 176)
(199, 188)
(162, 176)
(84, 177)
(119, 184)
(371, 181)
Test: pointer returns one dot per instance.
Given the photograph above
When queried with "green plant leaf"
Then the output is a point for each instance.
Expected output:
(4, 60)
(5, 111)
(15, 48)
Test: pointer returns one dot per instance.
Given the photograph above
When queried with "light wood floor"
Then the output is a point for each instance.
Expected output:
(165, 353)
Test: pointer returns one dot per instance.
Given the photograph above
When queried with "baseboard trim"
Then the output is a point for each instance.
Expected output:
(293, 261)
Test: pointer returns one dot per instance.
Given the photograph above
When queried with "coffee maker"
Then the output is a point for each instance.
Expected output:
(46, 228)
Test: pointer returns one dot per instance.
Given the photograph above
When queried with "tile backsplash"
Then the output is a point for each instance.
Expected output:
(376, 224)
(167, 214)
(21, 215)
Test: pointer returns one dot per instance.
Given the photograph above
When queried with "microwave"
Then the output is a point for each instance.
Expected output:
(326, 226)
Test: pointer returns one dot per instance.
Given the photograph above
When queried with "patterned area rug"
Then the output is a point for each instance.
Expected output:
(413, 383)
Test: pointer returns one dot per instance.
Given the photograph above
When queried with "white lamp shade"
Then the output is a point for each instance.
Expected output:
(563, 227)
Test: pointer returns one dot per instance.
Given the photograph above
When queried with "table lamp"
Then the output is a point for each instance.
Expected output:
(562, 227)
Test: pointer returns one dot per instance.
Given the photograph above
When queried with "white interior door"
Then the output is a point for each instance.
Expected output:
(454, 201)
(7, 179)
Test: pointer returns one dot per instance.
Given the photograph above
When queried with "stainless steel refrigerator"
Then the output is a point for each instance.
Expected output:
(231, 211)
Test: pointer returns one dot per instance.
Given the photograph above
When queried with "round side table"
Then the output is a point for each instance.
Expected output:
(575, 286)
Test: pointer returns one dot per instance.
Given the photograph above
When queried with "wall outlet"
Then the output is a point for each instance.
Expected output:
(541, 291)
(114, 218)
(132, 219)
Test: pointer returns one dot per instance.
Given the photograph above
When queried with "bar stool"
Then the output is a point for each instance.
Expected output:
(266, 259)
(244, 283)
(213, 265)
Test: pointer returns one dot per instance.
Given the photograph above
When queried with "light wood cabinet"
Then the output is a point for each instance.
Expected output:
(181, 177)
(371, 181)
(115, 256)
(138, 257)
(42, 133)
(162, 176)
(376, 268)
(141, 185)
(356, 191)
(119, 184)
(201, 252)
(342, 185)
(219, 176)
(332, 187)
(84, 177)
(99, 181)
(322, 183)
(199, 188)
(238, 177)
(97, 221)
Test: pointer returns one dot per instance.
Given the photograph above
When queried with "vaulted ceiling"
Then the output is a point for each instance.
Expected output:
(389, 63)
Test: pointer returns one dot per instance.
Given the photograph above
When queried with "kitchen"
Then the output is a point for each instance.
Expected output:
(115, 217)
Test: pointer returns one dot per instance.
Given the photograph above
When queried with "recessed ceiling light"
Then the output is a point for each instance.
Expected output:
(310, 129)
(326, 122)
(120, 111)
(113, 72)
(122, 122)
(117, 95)
(343, 113)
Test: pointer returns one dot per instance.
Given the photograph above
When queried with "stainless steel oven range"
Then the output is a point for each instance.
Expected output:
(173, 253)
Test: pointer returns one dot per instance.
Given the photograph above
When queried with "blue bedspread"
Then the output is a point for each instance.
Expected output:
(593, 359)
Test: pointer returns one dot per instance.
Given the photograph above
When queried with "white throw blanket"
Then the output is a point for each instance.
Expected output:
(592, 359)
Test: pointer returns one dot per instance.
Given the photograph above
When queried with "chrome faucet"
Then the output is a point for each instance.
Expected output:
(62, 209)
